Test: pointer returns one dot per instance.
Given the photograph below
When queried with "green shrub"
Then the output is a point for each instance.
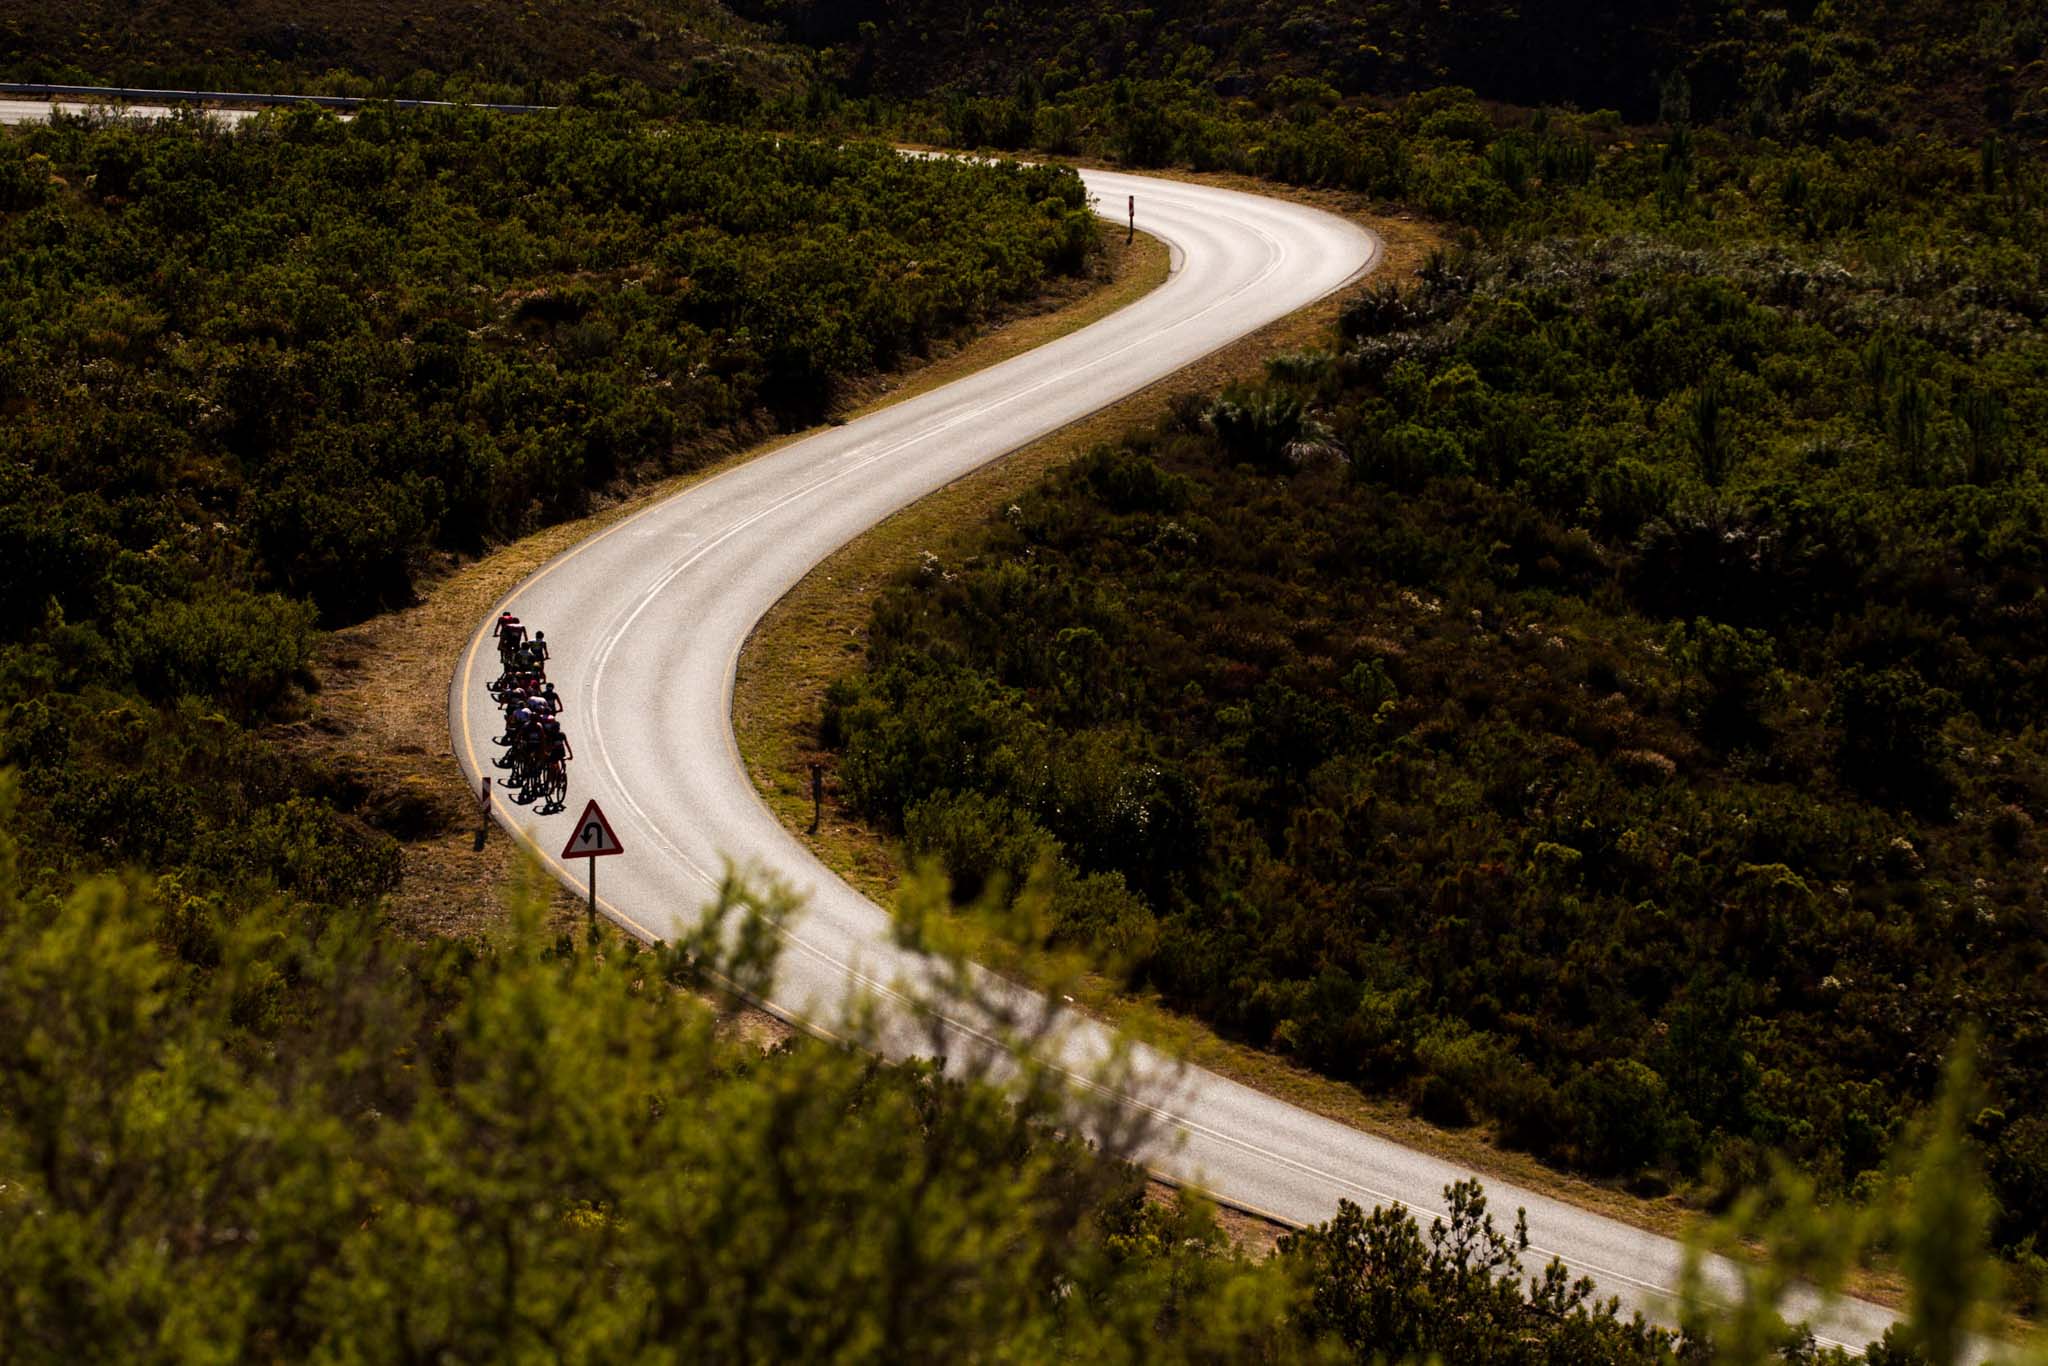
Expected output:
(980, 841)
(243, 648)
(1621, 1111)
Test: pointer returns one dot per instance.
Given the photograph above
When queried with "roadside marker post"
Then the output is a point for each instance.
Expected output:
(483, 808)
(592, 839)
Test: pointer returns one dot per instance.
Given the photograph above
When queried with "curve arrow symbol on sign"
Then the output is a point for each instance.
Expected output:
(593, 837)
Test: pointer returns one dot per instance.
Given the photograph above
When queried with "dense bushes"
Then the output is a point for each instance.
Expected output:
(256, 381)
(1292, 80)
(348, 343)
(1408, 107)
(1662, 810)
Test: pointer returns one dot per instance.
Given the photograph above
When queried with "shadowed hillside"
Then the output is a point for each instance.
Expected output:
(407, 48)
(1967, 69)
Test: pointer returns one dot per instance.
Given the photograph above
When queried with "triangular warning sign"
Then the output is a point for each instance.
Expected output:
(592, 837)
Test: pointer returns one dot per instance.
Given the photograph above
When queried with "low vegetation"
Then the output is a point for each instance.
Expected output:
(424, 49)
(1229, 79)
(255, 1130)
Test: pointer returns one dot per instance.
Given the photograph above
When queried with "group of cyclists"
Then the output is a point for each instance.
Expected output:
(536, 750)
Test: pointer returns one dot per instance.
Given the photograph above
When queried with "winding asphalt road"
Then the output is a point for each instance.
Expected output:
(648, 617)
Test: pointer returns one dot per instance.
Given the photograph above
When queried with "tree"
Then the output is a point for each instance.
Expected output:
(1987, 432)
(1731, 674)
(1709, 434)
(1387, 1292)
(1890, 730)
(1910, 421)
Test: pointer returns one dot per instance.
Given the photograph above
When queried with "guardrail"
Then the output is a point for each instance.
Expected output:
(125, 94)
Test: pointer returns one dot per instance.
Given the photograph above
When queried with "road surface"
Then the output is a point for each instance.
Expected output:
(647, 620)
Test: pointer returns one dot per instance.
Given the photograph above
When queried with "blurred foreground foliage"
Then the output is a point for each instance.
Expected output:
(232, 1129)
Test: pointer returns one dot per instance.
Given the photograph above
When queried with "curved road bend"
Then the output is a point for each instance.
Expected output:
(689, 578)
(649, 617)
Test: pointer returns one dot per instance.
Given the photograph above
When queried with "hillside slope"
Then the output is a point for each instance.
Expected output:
(410, 47)
(1967, 69)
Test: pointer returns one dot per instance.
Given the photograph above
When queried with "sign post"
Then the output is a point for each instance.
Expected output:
(1131, 234)
(592, 839)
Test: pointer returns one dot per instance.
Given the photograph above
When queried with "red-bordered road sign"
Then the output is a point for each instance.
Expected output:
(593, 837)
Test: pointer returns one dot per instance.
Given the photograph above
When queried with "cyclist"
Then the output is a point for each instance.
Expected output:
(524, 759)
(505, 738)
(511, 635)
(555, 776)
(519, 671)
(516, 721)
(553, 741)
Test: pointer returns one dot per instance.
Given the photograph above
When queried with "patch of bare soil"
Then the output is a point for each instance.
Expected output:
(1254, 1236)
